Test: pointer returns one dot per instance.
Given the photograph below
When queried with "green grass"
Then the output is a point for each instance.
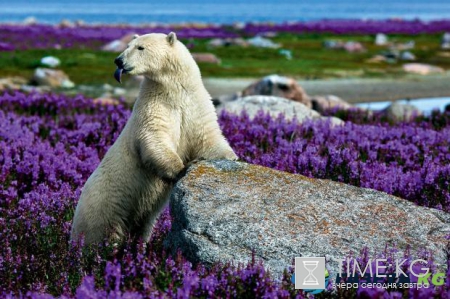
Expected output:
(82, 66)
(310, 59)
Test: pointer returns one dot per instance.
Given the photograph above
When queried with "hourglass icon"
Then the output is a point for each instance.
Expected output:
(310, 279)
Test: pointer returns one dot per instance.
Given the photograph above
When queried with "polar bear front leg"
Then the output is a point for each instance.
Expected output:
(217, 148)
(158, 153)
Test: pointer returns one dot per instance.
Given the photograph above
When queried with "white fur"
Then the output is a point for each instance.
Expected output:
(173, 123)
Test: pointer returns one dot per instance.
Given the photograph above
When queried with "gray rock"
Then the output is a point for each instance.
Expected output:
(119, 45)
(50, 61)
(222, 210)
(422, 69)
(381, 39)
(226, 42)
(52, 78)
(397, 111)
(407, 56)
(445, 43)
(322, 103)
(261, 42)
(272, 105)
(446, 37)
(349, 46)
(12, 83)
(206, 58)
(220, 101)
(279, 86)
(119, 91)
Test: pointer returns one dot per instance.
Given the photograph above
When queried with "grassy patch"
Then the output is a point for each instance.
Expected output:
(310, 59)
(82, 66)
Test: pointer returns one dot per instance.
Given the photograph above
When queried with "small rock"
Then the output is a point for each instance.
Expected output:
(239, 25)
(106, 100)
(377, 59)
(333, 44)
(446, 37)
(397, 111)
(50, 61)
(119, 45)
(407, 56)
(217, 42)
(275, 85)
(39, 89)
(107, 87)
(404, 46)
(349, 46)
(323, 103)
(392, 55)
(422, 69)
(444, 54)
(52, 78)
(286, 53)
(353, 47)
(30, 21)
(119, 91)
(223, 99)
(12, 83)
(445, 43)
(226, 42)
(381, 39)
(87, 88)
(261, 42)
(79, 23)
(66, 24)
(67, 84)
(270, 34)
(206, 58)
(223, 211)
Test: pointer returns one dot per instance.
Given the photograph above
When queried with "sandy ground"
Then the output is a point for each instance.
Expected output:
(354, 90)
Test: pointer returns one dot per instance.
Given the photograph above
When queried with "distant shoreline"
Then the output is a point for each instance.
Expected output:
(201, 24)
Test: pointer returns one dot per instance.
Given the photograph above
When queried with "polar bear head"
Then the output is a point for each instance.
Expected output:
(154, 55)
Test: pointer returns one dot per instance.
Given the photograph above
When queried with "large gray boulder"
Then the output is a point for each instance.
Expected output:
(222, 210)
(274, 106)
(398, 111)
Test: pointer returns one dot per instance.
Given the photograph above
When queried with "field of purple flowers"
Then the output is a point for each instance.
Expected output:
(50, 144)
(39, 36)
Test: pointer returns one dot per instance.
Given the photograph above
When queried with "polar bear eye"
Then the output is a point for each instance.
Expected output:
(140, 48)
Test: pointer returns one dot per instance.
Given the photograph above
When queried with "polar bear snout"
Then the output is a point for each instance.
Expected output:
(119, 61)
(122, 64)
(122, 68)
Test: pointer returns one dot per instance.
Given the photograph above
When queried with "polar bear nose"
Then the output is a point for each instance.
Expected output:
(119, 62)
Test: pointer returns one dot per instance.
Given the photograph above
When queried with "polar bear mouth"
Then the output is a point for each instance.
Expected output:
(118, 74)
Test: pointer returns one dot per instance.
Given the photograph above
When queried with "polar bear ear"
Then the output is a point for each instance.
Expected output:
(171, 38)
(135, 36)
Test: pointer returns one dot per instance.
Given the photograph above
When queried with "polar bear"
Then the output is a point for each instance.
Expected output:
(173, 123)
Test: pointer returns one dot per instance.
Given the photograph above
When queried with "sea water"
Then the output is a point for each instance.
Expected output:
(425, 105)
(218, 12)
